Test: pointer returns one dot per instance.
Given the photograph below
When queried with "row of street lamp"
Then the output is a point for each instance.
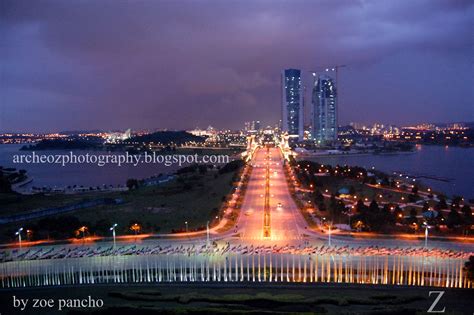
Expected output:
(135, 227)
(425, 225)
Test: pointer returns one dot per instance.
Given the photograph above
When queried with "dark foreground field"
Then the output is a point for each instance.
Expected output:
(237, 299)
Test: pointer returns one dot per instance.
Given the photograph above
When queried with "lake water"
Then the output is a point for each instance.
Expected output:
(453, 163)
(57, 176)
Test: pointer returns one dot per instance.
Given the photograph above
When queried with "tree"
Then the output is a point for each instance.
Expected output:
(412, 197)
(318, 196)
(466, 218)
(135, 227)
(387, 214)
(352, 190)
(232, 166)
(442, 203)
(414, 190)
(341, 207)
(358, 222)
(5, 185)
(426, 206)
(440, 220)
(132, 183)
(377, 219)
(412, 218)
(456, 201)
(469, 268)
(361, 207)
(467, 214)
(322, 206)
(454, 218)
(332, 203)
(374, 207)
(102, 226)
(398, 214)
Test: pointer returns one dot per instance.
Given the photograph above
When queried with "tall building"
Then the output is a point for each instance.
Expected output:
(255, 125)
(292, 103)
(252, 126)
(324, 109)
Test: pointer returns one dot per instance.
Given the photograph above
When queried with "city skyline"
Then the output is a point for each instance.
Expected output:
(136, 68)
(264, 156)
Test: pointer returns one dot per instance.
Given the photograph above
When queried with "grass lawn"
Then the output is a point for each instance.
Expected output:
(192, 197)
(333, 184)
(16, 203)
(168, 207)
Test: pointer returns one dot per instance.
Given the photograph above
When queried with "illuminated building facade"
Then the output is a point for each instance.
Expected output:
(292, 103)
(324, 110)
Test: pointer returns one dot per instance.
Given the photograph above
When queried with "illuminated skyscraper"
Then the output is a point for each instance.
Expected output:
(324, 109)
(252, 126)
(292, 103)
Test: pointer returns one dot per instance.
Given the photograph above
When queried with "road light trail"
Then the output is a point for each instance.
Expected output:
(268, 211)
(266, 206)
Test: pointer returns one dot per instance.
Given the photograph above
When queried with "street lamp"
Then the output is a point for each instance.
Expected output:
(83, 230)
(207, 233)
(329, 239)
(186, 223)
(28, 234)
(19, 235)
(426, 233)
(113, 231)
(136, 228)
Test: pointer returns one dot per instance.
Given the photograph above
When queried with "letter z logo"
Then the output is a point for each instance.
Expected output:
(440, 295)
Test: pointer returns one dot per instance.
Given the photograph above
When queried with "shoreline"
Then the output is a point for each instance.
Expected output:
(75, 188)
(314, 155)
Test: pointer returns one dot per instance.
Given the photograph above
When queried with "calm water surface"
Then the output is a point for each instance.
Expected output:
(52, 175)
(452, 163)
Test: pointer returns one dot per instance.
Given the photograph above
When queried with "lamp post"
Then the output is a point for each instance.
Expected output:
(113, 231)
(207, 233)
(19, 235)
(186, 223)
(329, 239)
(426, 234)
(83, 230)
(135, 228)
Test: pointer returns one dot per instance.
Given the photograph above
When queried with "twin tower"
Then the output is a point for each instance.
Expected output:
(323, 107)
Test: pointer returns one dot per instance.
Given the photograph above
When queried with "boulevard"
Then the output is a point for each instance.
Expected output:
(271, 241)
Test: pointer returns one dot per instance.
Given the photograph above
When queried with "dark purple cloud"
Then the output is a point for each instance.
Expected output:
(178, 64)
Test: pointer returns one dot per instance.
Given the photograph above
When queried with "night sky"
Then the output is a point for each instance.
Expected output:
(70, 65)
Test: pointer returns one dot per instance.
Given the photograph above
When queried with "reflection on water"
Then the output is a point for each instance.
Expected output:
(453, 163)
(52, 175)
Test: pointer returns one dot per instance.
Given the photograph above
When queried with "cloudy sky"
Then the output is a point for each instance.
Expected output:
(69, 65)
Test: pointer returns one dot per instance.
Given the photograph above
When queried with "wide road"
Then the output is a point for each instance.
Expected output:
(287, 225)
(286, 222)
